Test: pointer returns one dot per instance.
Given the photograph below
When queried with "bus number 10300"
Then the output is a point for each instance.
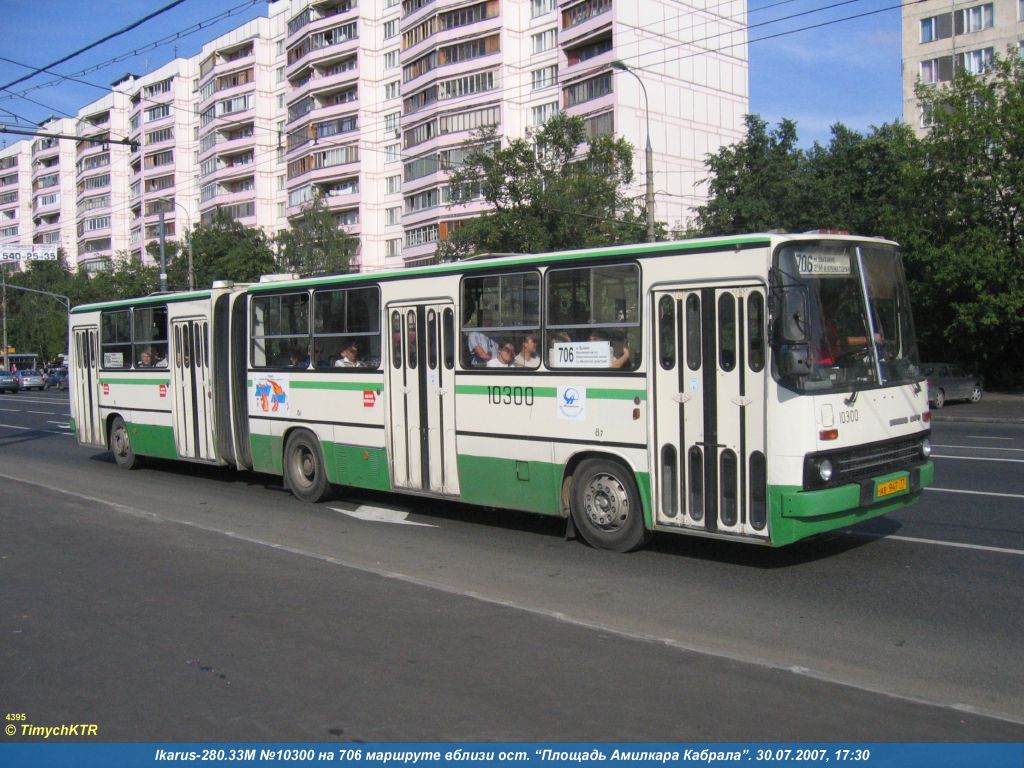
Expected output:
(510, 395)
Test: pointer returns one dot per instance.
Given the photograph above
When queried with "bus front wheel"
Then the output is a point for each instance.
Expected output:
(304, 471)
(606, 506)
(121, 445)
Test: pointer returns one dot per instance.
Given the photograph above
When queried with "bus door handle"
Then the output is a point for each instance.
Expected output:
(742, 402)
(682, 397)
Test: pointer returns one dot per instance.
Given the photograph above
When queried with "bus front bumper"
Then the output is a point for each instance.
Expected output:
(797, 513)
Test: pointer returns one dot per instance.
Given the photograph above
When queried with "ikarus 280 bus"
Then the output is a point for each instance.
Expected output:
(763, 388)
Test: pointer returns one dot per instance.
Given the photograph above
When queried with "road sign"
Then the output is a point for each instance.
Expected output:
(13, 253)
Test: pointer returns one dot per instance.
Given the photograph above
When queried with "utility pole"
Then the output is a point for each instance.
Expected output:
(3, 278)
(163, 254)
(648, 152)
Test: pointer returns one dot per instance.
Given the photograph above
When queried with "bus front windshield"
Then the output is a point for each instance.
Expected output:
(848, 303)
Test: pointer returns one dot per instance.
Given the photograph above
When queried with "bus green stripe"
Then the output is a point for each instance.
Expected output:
(595, 393)
(147, 382)
(350, 386)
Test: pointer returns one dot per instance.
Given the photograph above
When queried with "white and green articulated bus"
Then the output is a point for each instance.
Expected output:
(763, 388)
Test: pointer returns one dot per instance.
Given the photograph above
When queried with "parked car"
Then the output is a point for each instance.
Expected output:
(8, 382)
(57, 379)
(951, 382)
(28, 379)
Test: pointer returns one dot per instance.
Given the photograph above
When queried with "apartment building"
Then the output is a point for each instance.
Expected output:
(941, 36)
(16, 227)
(102, 181)
(368, 105)
(53, 188)
(381, 102)
(240, 94)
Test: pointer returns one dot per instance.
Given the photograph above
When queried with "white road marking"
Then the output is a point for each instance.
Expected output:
(986, 437)
(559, 616)
(979, 493)
(968, 447)
(43, 413)
(34, 429)
(977, 458)
(373, 514)
(936, 542)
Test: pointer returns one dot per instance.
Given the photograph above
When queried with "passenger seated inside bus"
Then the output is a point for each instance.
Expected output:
(348, 356)
(146, 359)
(506, 354)
(298, 358)
(528, 356)
(482, 349)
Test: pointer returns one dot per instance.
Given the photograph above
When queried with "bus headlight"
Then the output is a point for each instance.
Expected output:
(926, 448)
(824, 470)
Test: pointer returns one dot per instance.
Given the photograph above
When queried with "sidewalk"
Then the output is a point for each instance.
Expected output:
(994, 407)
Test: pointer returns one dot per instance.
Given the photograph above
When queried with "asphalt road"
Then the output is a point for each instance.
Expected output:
(186, 603)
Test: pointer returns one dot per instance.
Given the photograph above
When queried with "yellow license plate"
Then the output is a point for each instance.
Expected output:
(889, 487)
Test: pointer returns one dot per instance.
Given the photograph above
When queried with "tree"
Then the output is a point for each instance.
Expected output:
(972, 277)
(315, 245)
(224, 249)
(757, 184)
(543, 196)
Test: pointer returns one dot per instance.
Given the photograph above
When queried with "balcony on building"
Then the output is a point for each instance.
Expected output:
(585, 19)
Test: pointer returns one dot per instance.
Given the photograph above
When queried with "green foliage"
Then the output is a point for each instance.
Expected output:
(544, 197)
(224, 249)
(315, 245)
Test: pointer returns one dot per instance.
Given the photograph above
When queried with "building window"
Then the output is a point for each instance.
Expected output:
(938, 70)
(540, 7)
(421, 235)
(391, 59)
(393, 248)
(394, 185)
(391, 90)
(976, 62)
(936, 28)
(594, 88)
(393, 216)
(545, 77)
(973, 19)
(158, 112)
(391, 153)
(543, 41)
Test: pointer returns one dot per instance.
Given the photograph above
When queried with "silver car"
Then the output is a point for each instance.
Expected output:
(29, 379)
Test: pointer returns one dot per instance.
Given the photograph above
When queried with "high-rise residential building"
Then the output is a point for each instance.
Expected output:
(101, 181)
(16, 225)
(369, 105)
(240, 92)
(382, 101)
(941, 36)
(163, 173)
(53, 188)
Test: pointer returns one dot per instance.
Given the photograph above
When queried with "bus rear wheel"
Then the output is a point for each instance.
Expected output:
(121, 445)
(304, 471)
(605, 506)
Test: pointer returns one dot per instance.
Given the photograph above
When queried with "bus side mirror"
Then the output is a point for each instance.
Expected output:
(793, 323)
(794, 360)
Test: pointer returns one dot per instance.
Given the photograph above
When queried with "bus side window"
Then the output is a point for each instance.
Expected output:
(755, 332)
(667, 332)
(693, 332)
(396, 340)
(727, 331)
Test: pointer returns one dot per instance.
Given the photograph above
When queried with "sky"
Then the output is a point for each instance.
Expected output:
(847, 70)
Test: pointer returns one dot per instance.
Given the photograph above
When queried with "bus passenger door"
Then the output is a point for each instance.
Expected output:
(85, 379)
(421, 397)
(709, 393)
(190, 378)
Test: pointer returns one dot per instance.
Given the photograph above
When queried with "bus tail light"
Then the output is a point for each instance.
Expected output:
(829, 434)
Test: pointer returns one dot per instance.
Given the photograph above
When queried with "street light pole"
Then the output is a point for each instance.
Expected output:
(648, 151)
(188, 245)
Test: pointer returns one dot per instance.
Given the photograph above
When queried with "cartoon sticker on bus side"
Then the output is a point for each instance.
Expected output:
(271, 394)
